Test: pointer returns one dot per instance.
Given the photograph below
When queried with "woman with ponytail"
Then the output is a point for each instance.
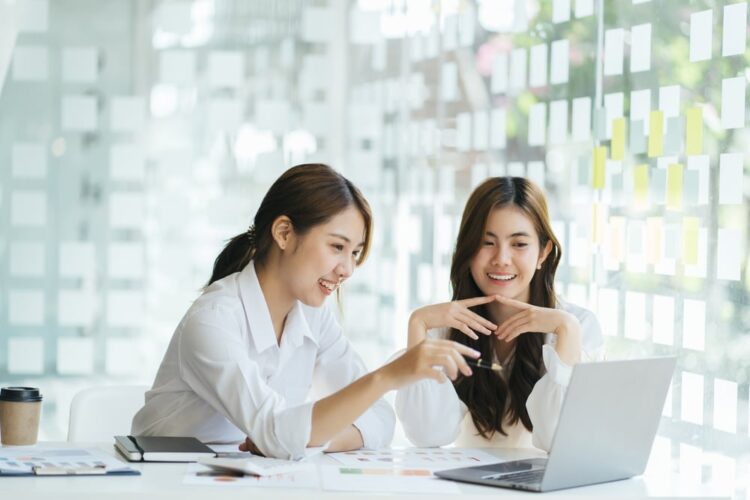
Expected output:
(241, 363)
(505, 306)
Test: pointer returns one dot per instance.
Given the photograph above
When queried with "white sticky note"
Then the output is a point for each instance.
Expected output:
(28, 160)
(640, 107)
(609, 307)
(635, 315)
(584, 8)
(517, 70)
(127, 114)
(516, 169)
(449, 82)
(640, 51)
(79, 113)
(499, 78)
(80, 64)
(537, 124)
(126, 210)
(614, 108)
(663, 323)
(75, 356)
(700, 163)
(449, 30)
(701, 35)
(694, 324)
(669, 100)
(734, 34)
(75, 308)
(558, 122)
(466, 26)
(478, 174)
(273, 115)
(177, 67)
(30, 63)
(463, 132)
(26, 355)
(581, 120)
(700, 268)
(731, 177)
(560, 11)
(733, 102)
(224, 113)
(538, 69)
(536, 173)
(126, 260)
(725, 405)
(316, 23)
(125, 308)
(692, 398)
(27, 258)
(127, 162)
(116, 363)
(77, 259)
(560, 61)
(32, 16)
(481, 130)
(226, 68)
(614, 43)
(28, 208)
(729, 246)
(498, 131)
(26, 307)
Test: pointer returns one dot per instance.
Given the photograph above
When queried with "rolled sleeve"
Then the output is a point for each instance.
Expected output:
(430, 412)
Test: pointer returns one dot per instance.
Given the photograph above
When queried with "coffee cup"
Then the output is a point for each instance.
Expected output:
(20, 408)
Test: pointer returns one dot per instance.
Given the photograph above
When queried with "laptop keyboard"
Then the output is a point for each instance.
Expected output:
(524, 477)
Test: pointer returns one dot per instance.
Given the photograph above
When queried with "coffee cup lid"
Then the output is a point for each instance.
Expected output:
(20, 394)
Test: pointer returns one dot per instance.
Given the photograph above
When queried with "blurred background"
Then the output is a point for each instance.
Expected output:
(137, 136)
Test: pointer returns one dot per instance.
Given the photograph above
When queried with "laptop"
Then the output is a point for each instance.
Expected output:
(605, 432)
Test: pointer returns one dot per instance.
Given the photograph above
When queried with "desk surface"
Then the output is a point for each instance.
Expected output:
(165, 481)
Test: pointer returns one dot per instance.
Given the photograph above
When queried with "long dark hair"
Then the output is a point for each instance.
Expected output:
(309, 194)
(488, 395)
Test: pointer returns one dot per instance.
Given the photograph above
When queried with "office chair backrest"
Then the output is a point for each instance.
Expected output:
(98, 413)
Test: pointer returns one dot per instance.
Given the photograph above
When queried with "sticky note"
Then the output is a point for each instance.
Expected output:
(75, 308)
(618, 138)
(125, 308)
(559, 62)
(597, 223)
(28, 160)
(675, 133)
(701, 165)
(127, 114)
(637, 141)
(79, 113)
(126, 210)
(26, 307)
(725, 406)
(701, 35)
(733, 102)
(674, 187)
(694, 131)
(656, 134)
(699, 269)
(463, 132)
(694, 324)
(30, 63)
(499, 78)
(518, 70)
(560, 11)
(654, 239)
(537, 124)
(669, 100)
(28, 207)
(692, 400)
(75, 355)
(731, 178)
(536, 173)
(581, 120)
(584, 8)
(126, 260)
(640, 106)
(613, 106)
(663, 324)
(635, 315)
(729, 247)
(614, 43)
(598, 172)
(33, 16)
(27, 258)
(481, 130)
(26, 355)
(558, 122)
(80, 64)
(690, 227)
(226, 68)
(538, 69)
(609, 307)
(449, 82)
(497, 129)
(640, 185)
(640, 52)
(734, 34)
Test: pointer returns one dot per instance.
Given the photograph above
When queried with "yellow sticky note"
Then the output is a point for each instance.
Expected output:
(654, 233)
(618, 139)
(690, 226)
(656, 134)
(674, 187)
(600, 159)
(694, 131)
(640, 185)
(597, 223)
(616, 239)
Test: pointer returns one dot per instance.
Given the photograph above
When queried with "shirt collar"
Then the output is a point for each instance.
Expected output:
(259, 317)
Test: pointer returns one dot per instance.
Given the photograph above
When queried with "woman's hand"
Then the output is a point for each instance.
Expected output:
(431, 358)
(249, 446)
(454, 314)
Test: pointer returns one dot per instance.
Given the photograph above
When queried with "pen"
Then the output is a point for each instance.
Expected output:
(479, 363)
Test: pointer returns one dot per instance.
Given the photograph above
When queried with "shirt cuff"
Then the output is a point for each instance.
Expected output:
(293, 427)
(367, 424)
(558, 371)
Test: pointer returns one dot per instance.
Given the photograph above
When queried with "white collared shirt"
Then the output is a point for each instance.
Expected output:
(432, 414)
(224, 377)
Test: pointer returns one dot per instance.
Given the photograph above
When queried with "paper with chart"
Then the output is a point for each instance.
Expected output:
(22, 460)
(385, 480)
(197, 474)
(419, 458)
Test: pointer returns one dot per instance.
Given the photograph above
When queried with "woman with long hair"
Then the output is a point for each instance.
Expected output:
(506, 253)
(241, 363)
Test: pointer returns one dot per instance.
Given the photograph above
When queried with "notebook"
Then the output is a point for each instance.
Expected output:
(162, 449)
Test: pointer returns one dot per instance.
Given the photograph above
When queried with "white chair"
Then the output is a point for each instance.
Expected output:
(98, 413)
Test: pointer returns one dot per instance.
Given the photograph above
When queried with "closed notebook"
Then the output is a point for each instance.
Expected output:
(162, 449)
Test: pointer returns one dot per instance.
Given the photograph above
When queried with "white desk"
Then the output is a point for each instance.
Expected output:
(165, 481)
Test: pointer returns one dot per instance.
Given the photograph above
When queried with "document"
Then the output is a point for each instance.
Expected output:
(23, 460)
(430, 458)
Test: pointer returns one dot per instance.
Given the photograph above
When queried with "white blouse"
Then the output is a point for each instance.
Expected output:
(224, 377)
(432, 414)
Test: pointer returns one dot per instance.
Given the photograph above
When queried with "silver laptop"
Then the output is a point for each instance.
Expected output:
(606, 429)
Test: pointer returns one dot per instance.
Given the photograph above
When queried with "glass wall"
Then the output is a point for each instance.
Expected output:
(137, 136)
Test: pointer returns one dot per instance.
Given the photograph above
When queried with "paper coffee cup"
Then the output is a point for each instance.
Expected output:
(20, 408)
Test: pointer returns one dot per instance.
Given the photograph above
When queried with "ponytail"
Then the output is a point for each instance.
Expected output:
(237, 253)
